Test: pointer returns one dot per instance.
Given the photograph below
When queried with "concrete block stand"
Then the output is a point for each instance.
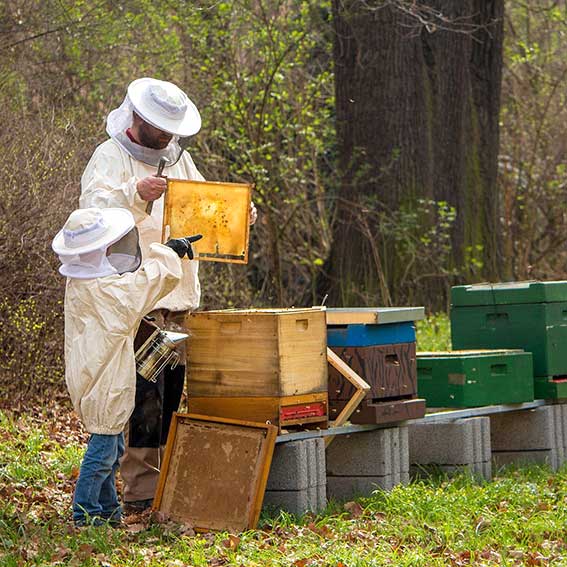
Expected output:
(538, 435)
(450, 447)
(361, 463)
(297, 482)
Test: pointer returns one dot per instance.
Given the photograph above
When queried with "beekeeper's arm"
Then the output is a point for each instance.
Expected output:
(107, 182)
(158, 276)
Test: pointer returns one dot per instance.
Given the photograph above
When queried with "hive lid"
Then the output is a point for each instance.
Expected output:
(469, 353)
(506, 293)
(373, 315)
(260, 311)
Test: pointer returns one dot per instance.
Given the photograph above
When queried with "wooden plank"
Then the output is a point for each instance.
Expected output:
(373, 315)
(231, 355)
(462, 352)
(165, 463)
(302, 344)
(256, 409)
(361, 386)
(265, 457)
(260, 311)
(260, 410)
(387, 411)
(216, 472)
(251, 353)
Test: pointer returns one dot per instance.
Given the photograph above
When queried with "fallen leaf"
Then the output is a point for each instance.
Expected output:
(135, 528)
(159, 517)
(354, 509)
(85, 550)
(232, 542)
(481, 525)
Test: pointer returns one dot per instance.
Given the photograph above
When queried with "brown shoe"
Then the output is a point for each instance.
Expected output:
(136, 506)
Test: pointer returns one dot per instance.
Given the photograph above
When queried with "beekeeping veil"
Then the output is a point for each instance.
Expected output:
(164, 106)
(98, 242)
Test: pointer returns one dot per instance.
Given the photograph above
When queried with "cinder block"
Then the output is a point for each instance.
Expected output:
(450, 447)
(361, 463)
(313, 499)
(564, 428)
(298, 465)
(526, 430)
(349, 487)
(545, 456)
(530, 436)
(375, 453)
(450, 443)
(479, 470)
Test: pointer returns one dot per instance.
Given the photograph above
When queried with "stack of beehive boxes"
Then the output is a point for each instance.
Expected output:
(522, 315)
(262, 365)
(379, 345)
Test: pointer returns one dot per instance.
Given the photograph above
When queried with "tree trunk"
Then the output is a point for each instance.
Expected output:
(417, 124)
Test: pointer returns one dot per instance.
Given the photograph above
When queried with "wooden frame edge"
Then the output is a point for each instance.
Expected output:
(362, 387)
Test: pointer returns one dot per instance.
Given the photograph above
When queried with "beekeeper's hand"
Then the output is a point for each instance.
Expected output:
(183, 245)
(151, 188)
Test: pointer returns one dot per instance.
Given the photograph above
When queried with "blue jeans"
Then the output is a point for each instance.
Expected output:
(95, 499)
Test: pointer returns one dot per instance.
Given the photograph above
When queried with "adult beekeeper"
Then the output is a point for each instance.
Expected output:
(154, 121)
(106, 296)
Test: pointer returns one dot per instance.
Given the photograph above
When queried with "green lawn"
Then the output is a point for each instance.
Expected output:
(518, 519)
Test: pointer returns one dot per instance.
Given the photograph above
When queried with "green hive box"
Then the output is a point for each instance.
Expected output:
(527, 315)
(474, 378)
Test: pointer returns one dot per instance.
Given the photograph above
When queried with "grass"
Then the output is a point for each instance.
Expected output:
(518, 519)
(434, 333)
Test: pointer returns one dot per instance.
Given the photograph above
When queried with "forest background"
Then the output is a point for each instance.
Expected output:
(262, 74)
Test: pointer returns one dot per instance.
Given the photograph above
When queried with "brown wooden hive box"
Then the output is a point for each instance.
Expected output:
(390, 370)
(259, 364)
(379, 345)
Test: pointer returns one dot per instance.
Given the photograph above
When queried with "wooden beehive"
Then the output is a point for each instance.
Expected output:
(259, 364)
(379, 345)
(473, 378)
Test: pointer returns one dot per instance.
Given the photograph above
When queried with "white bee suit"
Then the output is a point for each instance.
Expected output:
(102, 316)
(110, 180)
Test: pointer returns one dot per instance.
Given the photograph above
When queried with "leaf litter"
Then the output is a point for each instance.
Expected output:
(412, 521)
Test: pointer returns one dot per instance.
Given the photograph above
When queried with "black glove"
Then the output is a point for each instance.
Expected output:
(183, 245)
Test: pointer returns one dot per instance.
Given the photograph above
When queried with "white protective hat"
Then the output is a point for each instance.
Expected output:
(84, 239)
(161, 104)
(165, 106)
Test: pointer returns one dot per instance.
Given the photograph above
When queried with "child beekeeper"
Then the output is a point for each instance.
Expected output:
(107, 295)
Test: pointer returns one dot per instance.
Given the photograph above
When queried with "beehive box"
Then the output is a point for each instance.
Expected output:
(259, 364)
(520, 315)
(379, 345)
(475, 377)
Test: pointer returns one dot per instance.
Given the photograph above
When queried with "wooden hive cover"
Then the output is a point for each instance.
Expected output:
(257, 352)
(373, 315)
(218, 211)
(215, 472)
